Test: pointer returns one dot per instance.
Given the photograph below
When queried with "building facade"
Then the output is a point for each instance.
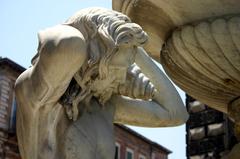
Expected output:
(129, 144)
(209, 132)
(9, 71)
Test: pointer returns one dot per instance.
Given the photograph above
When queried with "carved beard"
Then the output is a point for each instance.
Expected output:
(80, 91)
(104, 88)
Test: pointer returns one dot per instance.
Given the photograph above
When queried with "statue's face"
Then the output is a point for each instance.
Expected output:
(120, 62)
(117, 72)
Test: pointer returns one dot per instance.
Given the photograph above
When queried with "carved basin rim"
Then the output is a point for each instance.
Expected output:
(159, 17)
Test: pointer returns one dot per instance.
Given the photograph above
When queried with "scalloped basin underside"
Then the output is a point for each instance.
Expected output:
(204, 60)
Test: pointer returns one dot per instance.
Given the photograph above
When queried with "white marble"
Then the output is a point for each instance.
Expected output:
(89, 73)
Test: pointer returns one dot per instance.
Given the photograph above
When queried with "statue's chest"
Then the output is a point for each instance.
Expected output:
(91, 136)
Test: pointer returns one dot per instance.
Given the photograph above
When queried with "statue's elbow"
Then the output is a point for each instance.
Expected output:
(173, 119)
(62, 42)
(180, 118)
(177, 118)
(21, 82)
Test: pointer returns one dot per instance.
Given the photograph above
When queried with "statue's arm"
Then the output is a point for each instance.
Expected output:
(165, 109)
(62, 51)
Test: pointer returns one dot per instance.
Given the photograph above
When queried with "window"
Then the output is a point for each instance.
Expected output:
(129, 154)
(12, 124)
(117, 151)
(153, 155)
(142, 156)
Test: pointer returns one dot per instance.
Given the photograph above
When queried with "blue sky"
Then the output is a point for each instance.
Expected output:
(20, 22)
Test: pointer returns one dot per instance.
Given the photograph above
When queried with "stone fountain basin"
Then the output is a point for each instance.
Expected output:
(160, 17)
(204, 60)
(202, 43)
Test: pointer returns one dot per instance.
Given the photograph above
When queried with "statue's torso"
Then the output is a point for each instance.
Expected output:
(91, 136)
(54, 136)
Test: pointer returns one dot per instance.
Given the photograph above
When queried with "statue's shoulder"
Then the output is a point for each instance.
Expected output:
(60, 34)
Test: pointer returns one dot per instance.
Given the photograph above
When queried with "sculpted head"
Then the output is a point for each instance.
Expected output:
(112, 41)
(107, 33)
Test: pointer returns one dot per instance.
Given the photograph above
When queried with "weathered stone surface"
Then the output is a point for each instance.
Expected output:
(204, 60)
(77, 87)
(234, 154)
(202, 53)
(160, 17)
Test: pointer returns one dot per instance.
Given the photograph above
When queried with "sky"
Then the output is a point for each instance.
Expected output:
(22, 19)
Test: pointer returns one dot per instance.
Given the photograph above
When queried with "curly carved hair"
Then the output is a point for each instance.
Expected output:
(104, 31)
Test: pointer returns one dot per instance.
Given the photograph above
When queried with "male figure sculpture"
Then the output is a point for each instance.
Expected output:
(89, 73)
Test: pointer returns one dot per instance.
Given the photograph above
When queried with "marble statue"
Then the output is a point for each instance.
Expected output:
(89, 73)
